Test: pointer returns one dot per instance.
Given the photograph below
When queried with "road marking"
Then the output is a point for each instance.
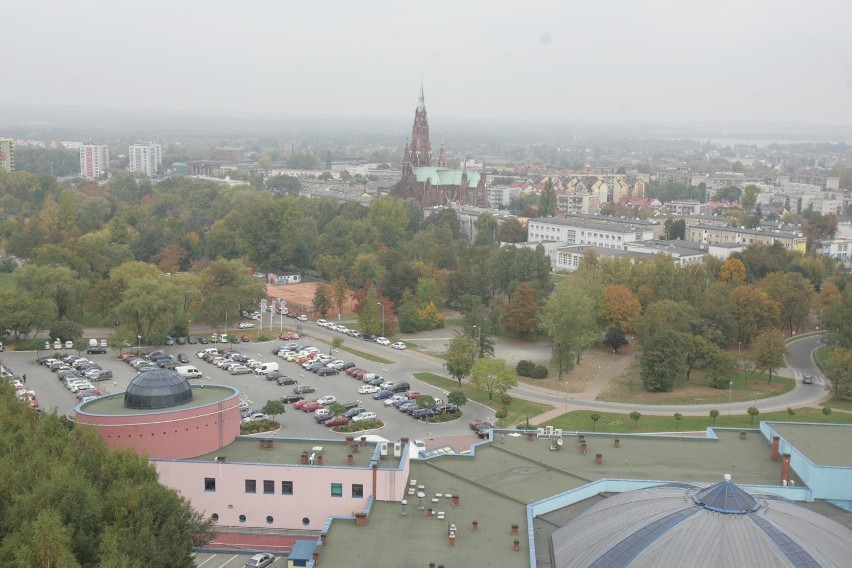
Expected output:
(229, 561)
(206, 561)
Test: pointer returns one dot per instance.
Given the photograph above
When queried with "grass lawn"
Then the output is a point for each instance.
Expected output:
(746, 386)
(613, 422)
(837, 404)
(519, 410)
(823, 355)
(367, 356)
(6, 282)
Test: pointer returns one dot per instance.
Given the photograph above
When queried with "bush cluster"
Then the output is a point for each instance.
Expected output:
(257, 427)
(359, 426)
(529, 369)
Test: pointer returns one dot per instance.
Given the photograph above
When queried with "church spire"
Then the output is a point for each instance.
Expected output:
(442, 157)
(422, 101)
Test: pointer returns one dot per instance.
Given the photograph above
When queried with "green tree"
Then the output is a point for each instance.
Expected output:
(837, 317)
(273, 408)
(752, 412)
(569, 317)
(425, 401)
(149, 305)
(226, 287)
(714, 414)
(594, 416)
(408, 313)
(754, 312)
(790, 413)
(458, 398)
(793, 293)
(461, 354)
(768, 353)
(486, 229)
(57, 284)
(662, 360)
(511, 231)
(839, 371)
(826, 411)
(749, 197)
(678, 417)
(635, 416)
(479, 325)
(547, 202)
(336, 409)
(492, 375)
(323, 300)
(338, 293)
(390, 218)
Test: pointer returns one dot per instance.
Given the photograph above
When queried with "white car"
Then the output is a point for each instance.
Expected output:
(398, 345)
(246, 325)
(364, 416)
(302, 317)
(322, 322)
(322, 413)
(368, 389)
(394, 398)
(256, 417)
(327, 400)
(382, 340)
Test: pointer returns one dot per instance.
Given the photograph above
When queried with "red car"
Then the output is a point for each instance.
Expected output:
(360, 375)
(337, 421)
(245, 338)
(474, 424)
(311, 406)
(413, 394)
(88, 392)
(294, 335)
(285, 336)
(352, 370)
(299, 404)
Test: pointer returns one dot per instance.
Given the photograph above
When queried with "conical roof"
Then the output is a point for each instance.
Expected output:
(725, 497)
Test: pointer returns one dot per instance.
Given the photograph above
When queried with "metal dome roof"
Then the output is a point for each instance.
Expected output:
(702, 527)
(157, 388)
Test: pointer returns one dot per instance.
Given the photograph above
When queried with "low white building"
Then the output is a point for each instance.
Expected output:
(605, 232)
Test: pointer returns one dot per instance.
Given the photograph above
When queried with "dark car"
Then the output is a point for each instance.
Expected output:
(169, 340)
(383, 394)
(181, 340)
(325, 371)
(808, 380)
(354, 412)
(182, 358)
(349, 405)
(286, 381)
(348, 365)
(315, 367)
(400, 387)
(288, 398)
(302, 389)
(191, 340)
(483, 428)
(203, 340)
(421, 413)
(368, 337)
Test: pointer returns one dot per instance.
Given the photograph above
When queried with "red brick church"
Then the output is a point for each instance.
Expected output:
(436, 185)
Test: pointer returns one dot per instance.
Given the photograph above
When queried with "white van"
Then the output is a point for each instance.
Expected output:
(93, 343)
(188, 372)
(266, 368)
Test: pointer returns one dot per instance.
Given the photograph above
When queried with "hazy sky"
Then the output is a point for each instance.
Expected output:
(681, 60)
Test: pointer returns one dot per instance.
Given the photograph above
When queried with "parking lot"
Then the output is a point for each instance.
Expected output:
(53, 395)
(229, 560)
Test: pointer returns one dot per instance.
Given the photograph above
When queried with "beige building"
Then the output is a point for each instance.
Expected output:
(710, 234)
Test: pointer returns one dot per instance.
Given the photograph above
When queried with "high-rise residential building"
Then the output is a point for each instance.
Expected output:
(146, 158)
(7, 155)
(94, 161)
(229, 155)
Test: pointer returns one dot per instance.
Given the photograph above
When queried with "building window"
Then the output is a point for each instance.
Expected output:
(251, 486)
(210, 484)
(214, 517)
(268, 487)
(286, 488)
(337, 490)
(269, 520)
(242, 518)
(357, 491)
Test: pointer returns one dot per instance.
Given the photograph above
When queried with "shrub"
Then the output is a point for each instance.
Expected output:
(539, 372)
(525, 368)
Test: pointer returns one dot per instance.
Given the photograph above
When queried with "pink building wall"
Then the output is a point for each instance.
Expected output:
(311, 498)
(171, 433)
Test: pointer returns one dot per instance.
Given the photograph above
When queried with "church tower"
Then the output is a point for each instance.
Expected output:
(421, 150)
(442, 157)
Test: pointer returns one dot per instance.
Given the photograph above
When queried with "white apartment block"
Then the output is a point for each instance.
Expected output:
(599, 232)
(715, 234)
(94, 161)
(571, 203)
(501, 195)
(145, 158)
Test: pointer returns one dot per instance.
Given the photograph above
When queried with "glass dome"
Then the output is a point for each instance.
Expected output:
(157, 388)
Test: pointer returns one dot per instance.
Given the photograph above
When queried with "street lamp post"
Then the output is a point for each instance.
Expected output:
(139, 345)
(730, 393)
(383, 318)
(478, 341)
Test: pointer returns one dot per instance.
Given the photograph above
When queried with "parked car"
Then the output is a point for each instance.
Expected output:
(170, 340)
(401, 386)
(203, 340)
(364, 416)
(368, 337)
(394, 398)
(398, 345)
(183, 358)
(337, 421)
(181, 340)
(95, 350)
(322, 414)
(303, 389)
(239, 370)
(302, 317)
(354, 412)
(246, 325)
(191, 340)
(290, 398)
(368, 389)
(382, 394)
(260, 560)
(322, 322)
(383, 340)
(286, 381)
(808, 380)
(325, 371)
(256, 417)
(245, 338)
(311, 406)
(413, 395)
(327, 400)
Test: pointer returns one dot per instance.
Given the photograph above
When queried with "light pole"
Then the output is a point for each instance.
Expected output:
(730, 392)
(383, 318)
(739, 357)
(478, 341)
(139, 345)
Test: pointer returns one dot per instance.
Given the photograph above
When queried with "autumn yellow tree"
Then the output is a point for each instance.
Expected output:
(620, 307)
(733, 271)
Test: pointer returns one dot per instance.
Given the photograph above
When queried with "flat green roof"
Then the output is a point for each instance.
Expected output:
(496, 485)
(113, 405)
(829, 444)
(248, 449)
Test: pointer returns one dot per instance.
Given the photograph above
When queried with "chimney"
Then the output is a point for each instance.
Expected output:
(350, 460)
(514, 529)
(776, 444)
(617, 443)
(785, 469)
(363, 440)
(598, 459)
(319, 459)
(324, 539)
(516, 545)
